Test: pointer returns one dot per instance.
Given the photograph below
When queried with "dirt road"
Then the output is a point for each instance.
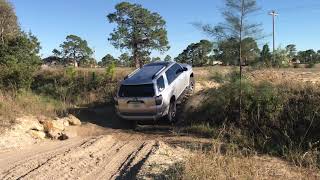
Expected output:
(99, 157)
(103, 148)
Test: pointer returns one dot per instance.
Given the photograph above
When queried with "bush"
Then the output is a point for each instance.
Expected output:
(276, 120)
(218, 77)
(18, 61)
(75, 87)
(22, 103)
(110, 71)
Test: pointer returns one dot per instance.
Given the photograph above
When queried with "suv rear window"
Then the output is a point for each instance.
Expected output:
(144, 90)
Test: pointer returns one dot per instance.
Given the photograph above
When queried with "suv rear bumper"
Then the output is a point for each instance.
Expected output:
(140, 116)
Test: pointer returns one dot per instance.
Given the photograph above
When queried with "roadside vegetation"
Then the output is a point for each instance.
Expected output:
(280, 119)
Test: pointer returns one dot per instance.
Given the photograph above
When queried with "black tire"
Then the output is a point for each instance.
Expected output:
(172, 113)
(126, 124)
(132, 124)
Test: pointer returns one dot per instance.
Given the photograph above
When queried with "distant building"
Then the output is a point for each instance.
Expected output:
(295, 61)
(52, 61)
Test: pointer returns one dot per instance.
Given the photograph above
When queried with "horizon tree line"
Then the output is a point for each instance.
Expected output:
(139, 32)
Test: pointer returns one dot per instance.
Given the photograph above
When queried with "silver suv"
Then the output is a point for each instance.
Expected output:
(151, 92)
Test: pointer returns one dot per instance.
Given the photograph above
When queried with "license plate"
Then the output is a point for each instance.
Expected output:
(135, 105)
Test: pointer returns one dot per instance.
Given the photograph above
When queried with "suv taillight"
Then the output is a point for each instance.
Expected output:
(159, 100)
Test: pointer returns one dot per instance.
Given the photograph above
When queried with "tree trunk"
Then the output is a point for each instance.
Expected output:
(136, 59)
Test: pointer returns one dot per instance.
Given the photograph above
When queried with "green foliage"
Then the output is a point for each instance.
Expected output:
(71, 72)
(265, 55)
(72, 86)
(138, 30)
(125, 60)
(154, 59)
(282, 59)
(74, 49)
(229, 51)
(110, 70)
(236, 29)
(18, 61)
(168, 58)
(275, 119)
(107, 60)
(291, 50)
(8, 22)
(308, 56)
(196, 54)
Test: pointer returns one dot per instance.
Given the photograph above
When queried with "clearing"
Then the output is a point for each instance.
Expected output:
(105, 148)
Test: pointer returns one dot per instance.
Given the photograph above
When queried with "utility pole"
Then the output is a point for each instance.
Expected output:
(273, 13)
(240, 59)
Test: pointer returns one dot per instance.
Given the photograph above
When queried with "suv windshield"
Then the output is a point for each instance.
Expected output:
(144, 90)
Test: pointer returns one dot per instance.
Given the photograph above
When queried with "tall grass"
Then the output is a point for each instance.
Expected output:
(281, 120)
(227, 161)
(54, 91)
(15, 104)
(76, 87)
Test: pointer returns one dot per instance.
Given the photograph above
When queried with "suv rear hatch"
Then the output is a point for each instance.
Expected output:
(137, 100)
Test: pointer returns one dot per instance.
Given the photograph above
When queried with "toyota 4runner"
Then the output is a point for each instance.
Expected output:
(151, 92)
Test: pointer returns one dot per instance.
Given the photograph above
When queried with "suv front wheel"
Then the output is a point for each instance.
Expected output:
(171, 117)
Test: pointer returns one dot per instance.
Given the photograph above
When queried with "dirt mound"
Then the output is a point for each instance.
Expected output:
(18, 135)
(31, 130)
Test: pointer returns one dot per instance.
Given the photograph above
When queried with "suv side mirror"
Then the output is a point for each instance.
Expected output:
(185, 69)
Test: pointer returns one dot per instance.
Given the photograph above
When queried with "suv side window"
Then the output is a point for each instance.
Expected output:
(171, 75)
(173, 72)
(178, 69)
(160, 84)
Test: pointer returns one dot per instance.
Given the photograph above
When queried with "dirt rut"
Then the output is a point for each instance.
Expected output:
(101, 157)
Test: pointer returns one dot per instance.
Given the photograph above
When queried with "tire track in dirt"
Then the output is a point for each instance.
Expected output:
(102, 157)
(25, 162)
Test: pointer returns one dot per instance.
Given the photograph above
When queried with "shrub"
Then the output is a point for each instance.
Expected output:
(75, 87)
(218, 77)
(110, 71)
(277, 120)
(18, 61)
(17, 104)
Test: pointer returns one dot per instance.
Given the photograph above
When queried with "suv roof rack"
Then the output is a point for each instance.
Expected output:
(157, 73)
(131, 74)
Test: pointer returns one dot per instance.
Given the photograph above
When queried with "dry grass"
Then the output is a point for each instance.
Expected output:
(278, 76)
(14, 105)
(120, 72)
(224, 162)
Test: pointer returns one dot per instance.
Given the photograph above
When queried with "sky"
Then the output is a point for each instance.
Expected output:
(52, 20)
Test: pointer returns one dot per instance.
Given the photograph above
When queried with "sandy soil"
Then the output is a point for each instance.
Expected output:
(102, 148)
(106, 154)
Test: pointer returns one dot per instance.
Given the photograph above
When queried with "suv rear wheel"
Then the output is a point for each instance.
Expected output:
(171, 117)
